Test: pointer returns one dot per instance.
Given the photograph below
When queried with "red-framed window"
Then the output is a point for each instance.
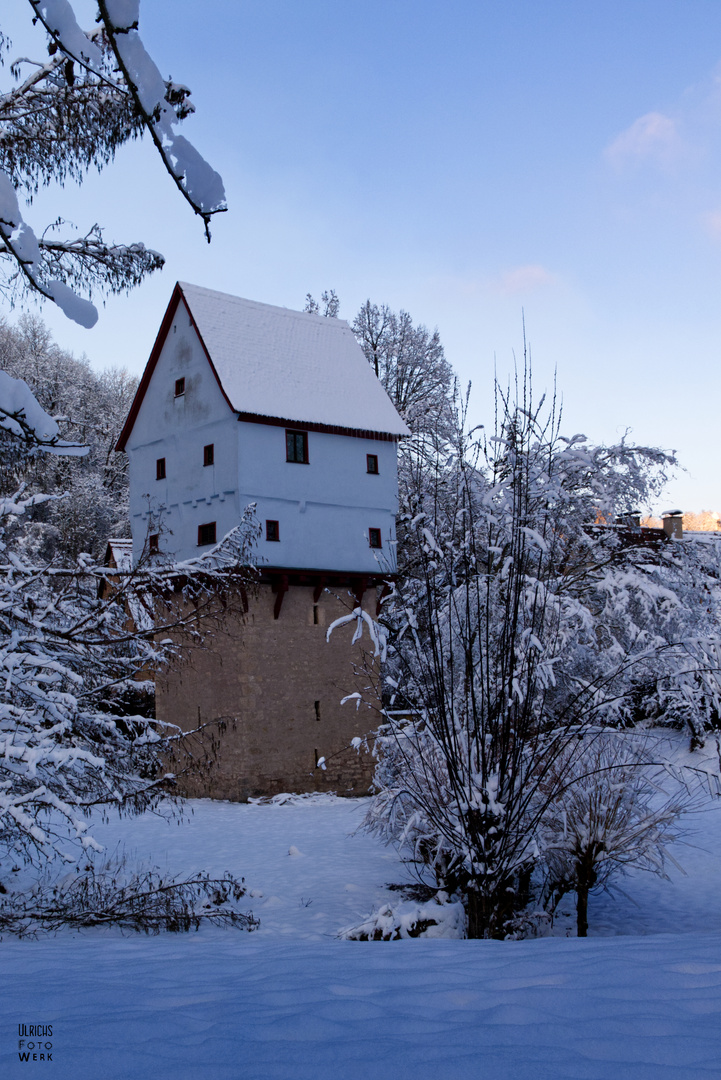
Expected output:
(272, 530)
(209, 454)
(372, 464)
(206, 534)
(160, 469)
(296, 446)
(179, 387)
(374, 538)
(154, 543)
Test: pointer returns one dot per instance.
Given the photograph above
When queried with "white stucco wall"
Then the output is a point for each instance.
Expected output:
(324, 508)
(178, 429)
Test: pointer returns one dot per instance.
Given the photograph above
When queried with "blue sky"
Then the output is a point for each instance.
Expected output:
(468, 161)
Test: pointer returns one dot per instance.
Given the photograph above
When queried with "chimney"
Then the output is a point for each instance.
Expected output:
(673, 524)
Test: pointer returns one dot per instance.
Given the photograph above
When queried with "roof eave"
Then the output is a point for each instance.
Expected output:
(315, 425)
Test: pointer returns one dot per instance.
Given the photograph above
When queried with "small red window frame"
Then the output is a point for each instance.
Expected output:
(374, 538)
(160, 468)
(209, 454)
(179, 387)
(372, 464)
(272, 530)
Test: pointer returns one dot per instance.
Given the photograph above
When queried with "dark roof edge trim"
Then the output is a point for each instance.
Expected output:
(304, 576)
(328, 429)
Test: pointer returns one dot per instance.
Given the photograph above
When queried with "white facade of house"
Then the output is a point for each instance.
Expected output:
(250, 373)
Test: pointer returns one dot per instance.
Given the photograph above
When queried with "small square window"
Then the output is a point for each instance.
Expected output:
(160, 469)
(179, 387)
(296, 447)
(154, 543)
(206, 534)
(209, 454)
(374, 538)
(372, 463)
(272, 530)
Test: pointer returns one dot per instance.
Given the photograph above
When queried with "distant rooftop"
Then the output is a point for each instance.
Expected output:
(290, 364)
(119, 553)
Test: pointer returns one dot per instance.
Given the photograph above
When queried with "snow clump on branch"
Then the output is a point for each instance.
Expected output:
(97, 90)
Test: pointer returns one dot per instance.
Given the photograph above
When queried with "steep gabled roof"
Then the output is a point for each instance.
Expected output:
(279, 364)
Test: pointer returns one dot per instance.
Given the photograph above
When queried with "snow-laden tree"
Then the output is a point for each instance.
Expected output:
(93, 407)
(68, 112)
(410, 362)
(522, 628)
(611, 810)
(328, 307)
(74, 640)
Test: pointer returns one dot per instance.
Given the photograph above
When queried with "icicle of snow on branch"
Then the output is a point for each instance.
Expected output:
(21, 415)
(375, 630)
(22, 243)
(200, 184)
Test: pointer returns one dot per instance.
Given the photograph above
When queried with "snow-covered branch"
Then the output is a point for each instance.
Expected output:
(154, 98)
(21, 244)
(22, 416)
(96, 91)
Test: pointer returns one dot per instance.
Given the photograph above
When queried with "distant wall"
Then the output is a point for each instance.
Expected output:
(263, 678)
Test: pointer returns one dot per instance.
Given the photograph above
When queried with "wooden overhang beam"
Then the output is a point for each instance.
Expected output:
(280, 588)
(319, 587)
(359, 586)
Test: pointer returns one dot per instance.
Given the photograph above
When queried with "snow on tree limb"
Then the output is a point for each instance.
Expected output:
(58, 18)
(200, 184)
(361, 617)
(21, 415)
(197, 181)
(96, 91)
(20, 241)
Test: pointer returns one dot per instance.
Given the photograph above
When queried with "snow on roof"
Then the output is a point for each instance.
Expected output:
(290, 364)
(120, 551)
(702, 536)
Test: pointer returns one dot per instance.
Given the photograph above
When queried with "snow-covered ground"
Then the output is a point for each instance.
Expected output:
(641, 998)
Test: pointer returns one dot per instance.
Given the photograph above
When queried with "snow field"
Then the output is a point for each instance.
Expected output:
(307, 875)
(223, 1006)
(291, 1002)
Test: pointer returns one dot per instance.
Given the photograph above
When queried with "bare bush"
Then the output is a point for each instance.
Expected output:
(146, 901)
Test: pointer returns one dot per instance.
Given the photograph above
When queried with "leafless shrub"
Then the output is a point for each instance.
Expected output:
(146, 901)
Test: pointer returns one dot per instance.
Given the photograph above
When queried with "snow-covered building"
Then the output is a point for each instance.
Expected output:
(244, 403)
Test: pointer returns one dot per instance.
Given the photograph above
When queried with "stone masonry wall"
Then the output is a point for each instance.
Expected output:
(277, 684)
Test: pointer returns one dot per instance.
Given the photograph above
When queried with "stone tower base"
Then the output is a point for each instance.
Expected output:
(270, 685)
